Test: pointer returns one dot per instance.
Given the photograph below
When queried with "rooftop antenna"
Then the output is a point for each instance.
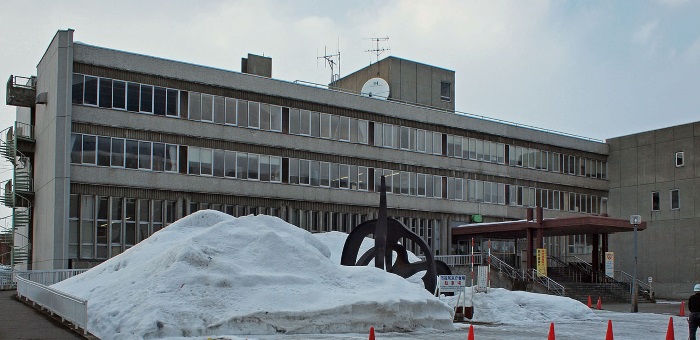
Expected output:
(332, 60)
(377, 51)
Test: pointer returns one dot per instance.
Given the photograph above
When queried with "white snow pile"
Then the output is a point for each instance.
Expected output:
(211, 273)
(501, 306)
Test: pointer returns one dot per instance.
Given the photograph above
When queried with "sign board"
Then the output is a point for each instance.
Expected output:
(542, 261)
(609, 264)
(452, 283)
(482, 282)
(649, 279)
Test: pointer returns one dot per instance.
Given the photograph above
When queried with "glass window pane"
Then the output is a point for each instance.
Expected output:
(293, 171)
(362, 131)
(171, 157)
(315, 124)
(206, 159)
(230, 164)
(90, 90)
(231, 111)
(254, 115)
(275, 118)
(193, 160)
(253, 171)
(172, 103)
(144, 155)
(89, 147)
(219, 110)
(264, 168)
(78, 88)
(159, 101)
(275, 169)
(118, 94)
(104, 146)
(344, 176)
(117, 152)
(242, 165)
(158, 156)
(76, 148)
(264, 117)
(132, 154)
(314, 173)
(218, 163)
(207, 107)
(242, 113)
(335, 126)
(304, 168)
(133, 91)
(146, 98)
(195, 103)
(324, 174)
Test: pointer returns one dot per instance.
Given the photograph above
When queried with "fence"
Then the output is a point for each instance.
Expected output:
(69, 308)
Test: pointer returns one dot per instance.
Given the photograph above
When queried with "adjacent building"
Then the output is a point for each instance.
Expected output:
(111, 146)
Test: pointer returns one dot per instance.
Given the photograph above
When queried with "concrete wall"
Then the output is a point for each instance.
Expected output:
(668, 250)
(51, 162)
(408, 81)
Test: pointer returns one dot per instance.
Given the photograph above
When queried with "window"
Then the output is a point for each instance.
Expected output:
(680, 161)
(445, 91)
(655, 201)
(675, 199)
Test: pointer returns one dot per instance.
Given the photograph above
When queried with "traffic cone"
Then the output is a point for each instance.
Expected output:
(599, 304)
(609, 334)
(682, 312)
(669, 333)
(371, 333)
(551, 332)
(589, 301)
(471, 333)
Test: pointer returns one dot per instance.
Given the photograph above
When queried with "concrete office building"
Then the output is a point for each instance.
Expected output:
(656, 175)
(111, 146)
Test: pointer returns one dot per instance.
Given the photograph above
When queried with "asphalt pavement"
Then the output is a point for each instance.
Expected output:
(21, 321)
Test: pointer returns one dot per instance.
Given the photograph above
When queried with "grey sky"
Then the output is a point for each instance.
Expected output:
(598, 69)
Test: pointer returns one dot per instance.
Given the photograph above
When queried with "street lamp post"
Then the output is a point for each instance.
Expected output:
(635, 220)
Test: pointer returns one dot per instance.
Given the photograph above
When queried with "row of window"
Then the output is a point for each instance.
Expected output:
(110, 93)
(145, 155)
(101, 227)
(675, 200)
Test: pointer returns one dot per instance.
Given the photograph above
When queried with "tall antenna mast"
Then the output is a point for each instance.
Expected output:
(377, 51)
(332, 60)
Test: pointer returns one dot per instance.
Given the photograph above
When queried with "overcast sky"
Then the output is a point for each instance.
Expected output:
(598, 69)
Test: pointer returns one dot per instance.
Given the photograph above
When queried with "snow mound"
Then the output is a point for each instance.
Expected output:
(501, 306)
(210, 273)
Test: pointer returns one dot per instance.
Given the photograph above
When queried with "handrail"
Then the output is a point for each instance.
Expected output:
(640, 284)
(544, 280)
(24, 130)
(70, 308)
(503, 267)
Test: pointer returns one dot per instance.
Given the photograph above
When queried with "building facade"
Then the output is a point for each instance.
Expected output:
(112, 146)
(656, 174)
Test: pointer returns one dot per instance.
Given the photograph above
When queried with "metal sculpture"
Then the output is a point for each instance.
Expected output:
(387, 233)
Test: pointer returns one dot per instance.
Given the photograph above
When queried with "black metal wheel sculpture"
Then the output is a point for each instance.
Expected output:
(387, 233)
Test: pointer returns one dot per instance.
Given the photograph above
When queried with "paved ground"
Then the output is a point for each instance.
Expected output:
(660, 307)
(20, 321)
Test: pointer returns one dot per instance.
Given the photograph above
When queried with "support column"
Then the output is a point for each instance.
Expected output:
(528, 249)
(595, 257)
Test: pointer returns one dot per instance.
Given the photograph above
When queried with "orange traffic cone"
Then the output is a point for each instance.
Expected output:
(471, 333)
(669, 333)
(371, 333)
(609, 334)
(551, 332)
(599, 304)
(589, 301)
(682, 312)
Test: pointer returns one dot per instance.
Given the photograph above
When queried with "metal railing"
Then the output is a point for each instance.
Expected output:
(19, 81)
(459, 260)
(68, 307)
(24, 130)
(545, 281)
(643, 287)
(505, 268)
(44, 277)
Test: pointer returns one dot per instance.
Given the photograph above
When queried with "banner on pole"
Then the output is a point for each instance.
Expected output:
(542, 261)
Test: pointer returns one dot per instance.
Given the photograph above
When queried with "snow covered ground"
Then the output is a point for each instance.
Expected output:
(210, 275)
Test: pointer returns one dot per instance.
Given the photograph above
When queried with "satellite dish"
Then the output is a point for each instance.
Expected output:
(376, 88)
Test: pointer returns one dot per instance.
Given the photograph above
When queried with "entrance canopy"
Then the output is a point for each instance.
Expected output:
(549, 227)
